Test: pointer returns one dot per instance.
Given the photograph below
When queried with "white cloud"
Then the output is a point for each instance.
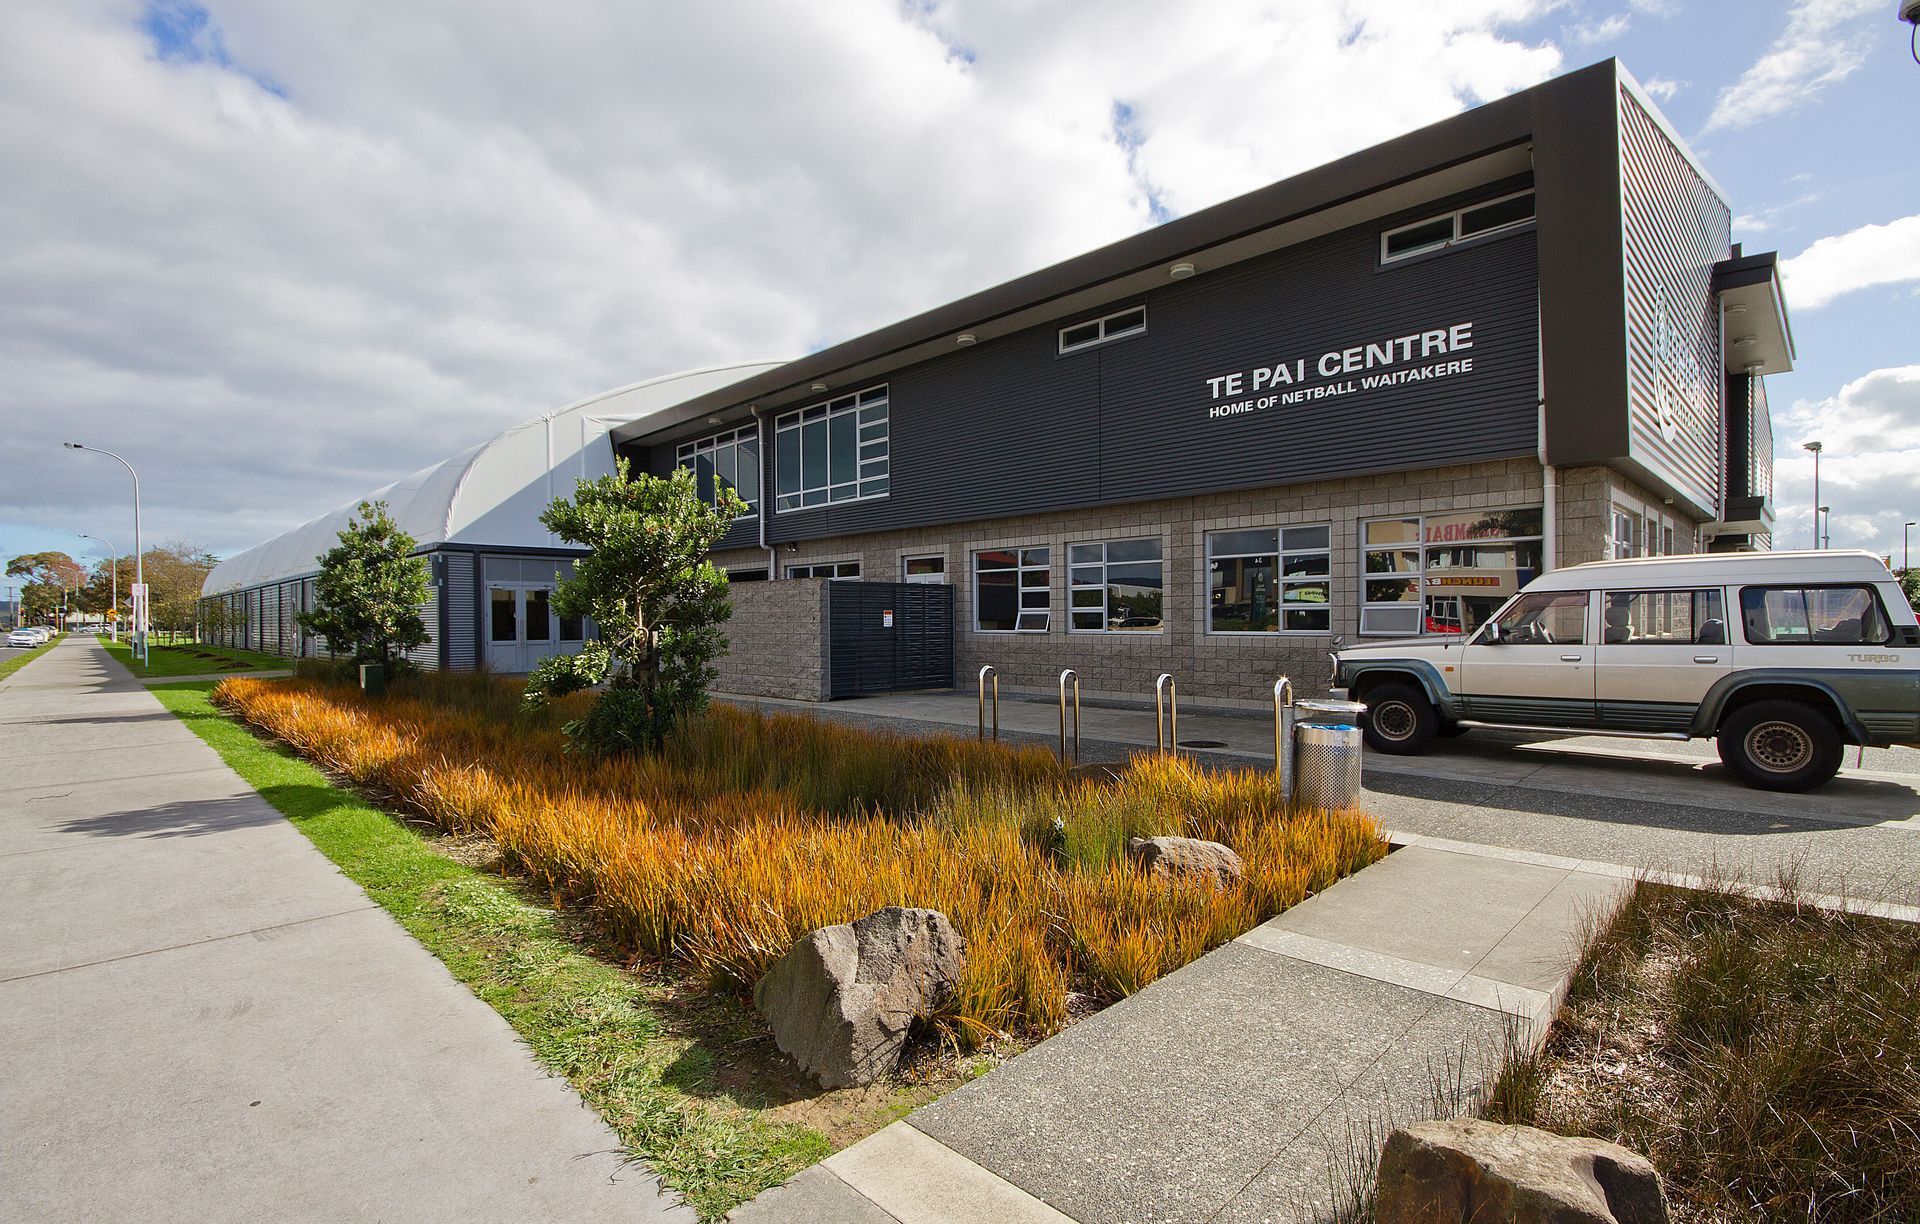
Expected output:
(460, 215)
(1605, 29)
(1859, 259)
(1663, 88)
(1869, 470)
(1748, 223)
(1813, 53)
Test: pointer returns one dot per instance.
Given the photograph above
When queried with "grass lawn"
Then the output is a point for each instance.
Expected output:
(1765, 1055)
(10, 666)
(188, 659)
(663, 1065)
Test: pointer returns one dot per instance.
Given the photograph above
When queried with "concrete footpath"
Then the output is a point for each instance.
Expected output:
(206, 1021)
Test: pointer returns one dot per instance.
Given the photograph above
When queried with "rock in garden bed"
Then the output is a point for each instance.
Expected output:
(1488, 1173)
(841, 1001)
(1188, 856)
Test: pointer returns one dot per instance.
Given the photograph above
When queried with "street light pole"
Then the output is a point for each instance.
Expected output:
(1906, 548)
(113, 629)
(1823, 527)
(1816, 448)
(139, 557)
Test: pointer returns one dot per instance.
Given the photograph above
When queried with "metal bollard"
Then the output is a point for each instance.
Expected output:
(1283, 736)
(984, 673)
(1166, 713)
(1063, 715)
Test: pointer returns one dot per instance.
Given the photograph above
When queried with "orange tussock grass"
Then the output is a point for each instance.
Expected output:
(753, 829)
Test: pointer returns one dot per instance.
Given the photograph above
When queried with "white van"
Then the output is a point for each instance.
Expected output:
(1783, 657)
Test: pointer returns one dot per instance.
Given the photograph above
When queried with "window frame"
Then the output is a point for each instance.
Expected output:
(1456, 216)
(857, 404)
(1424, 546)
(686, 454)
(1280, 581)
(1104, 334)
(1889, 633)
(1106, 614)
(939, 578)
(791, 576)
(1019, 569)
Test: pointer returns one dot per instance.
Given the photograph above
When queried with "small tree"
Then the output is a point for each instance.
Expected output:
(656, 599)
(370, 590)
(1910, 586)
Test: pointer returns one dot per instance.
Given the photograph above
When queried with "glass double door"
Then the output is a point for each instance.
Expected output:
(521, 627)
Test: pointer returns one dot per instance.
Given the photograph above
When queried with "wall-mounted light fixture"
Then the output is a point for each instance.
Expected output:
(817, 387)
(963, 338)
(1180, 271)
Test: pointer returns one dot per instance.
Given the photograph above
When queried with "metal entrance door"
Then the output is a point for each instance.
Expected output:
(885, 637)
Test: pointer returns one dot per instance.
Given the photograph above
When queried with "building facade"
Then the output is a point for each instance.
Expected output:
(1374, 399)
(476, 521)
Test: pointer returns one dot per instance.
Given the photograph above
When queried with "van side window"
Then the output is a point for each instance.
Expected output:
(1663, 618)
(1557, 618)
(1813, 616)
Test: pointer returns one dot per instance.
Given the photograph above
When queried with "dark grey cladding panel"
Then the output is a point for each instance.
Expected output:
(1158, 439)
(745, 533)
(1014, 427)
(1008, 428)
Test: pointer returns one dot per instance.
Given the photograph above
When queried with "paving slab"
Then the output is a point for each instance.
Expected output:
(1166, 1105)
(207, 1022)
(917, 1179)
(815, 1196)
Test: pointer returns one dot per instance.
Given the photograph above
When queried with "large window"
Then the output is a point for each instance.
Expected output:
(831, 452)
(1439, 233)
(1813, 616)
(1012, 590)
(1444, 573)
(1270, 580)
(1115, 587)
(730, 460)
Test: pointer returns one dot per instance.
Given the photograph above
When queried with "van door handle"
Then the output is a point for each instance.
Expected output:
(1571, 658)
(1706, 658)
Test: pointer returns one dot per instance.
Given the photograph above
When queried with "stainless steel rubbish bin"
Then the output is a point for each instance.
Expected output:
(1326, 753)
(1326, 765)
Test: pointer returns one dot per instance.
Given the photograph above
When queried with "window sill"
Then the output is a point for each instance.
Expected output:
(845, 501)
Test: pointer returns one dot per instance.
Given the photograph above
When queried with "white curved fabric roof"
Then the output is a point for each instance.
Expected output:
(493, 493)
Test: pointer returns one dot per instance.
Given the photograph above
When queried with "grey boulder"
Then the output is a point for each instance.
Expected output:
(841, 1000)
(1187, 856)
(1485, 1172)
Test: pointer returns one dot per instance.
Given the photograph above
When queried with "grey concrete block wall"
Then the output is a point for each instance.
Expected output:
(776, 641)
(1237, 669)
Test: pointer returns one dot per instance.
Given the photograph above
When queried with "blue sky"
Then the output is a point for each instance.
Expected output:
(280, 254)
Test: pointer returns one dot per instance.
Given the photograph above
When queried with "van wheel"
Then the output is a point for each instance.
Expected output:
(1780, 745)
(1400, 720)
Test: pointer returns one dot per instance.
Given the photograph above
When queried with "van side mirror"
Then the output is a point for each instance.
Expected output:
(1494, 634)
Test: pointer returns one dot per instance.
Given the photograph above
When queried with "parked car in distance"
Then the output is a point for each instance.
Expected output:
(1782, 658)
(24, 637)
